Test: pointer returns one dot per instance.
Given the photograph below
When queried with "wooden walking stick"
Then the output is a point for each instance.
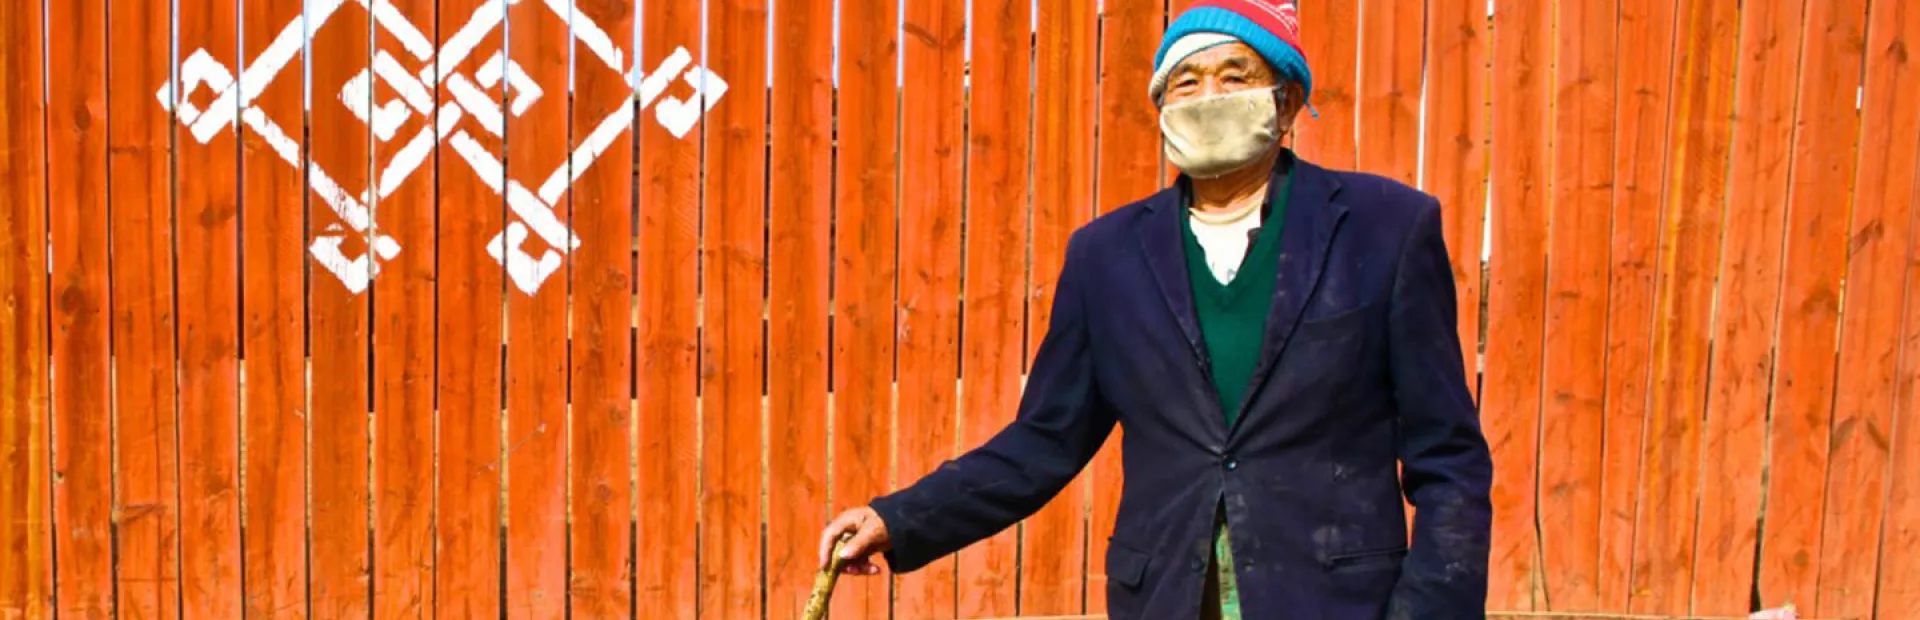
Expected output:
(823, 582)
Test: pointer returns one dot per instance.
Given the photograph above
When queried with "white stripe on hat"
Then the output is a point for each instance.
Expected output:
(1186, 46)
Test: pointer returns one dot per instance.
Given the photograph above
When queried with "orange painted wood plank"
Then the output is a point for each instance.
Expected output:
(338, 319)
(1573, 372)
(998, 143)
(669, 311)
(733, 353)
(1053, 564)
(1129, 163)
(1517, 296)
(467, 366)
(403, 341)
(864, 273)
(1834, 38)
(1699, 135)
(1878, 247)
(207, 250)
(601, 538)
(535, 461)
(799, 263)
(1387, 110)
(1745, 321)
(1643, 89)
(1455, 151)
(82, 392)
(928, 311)
(1329, 36)
(26, 500)
(274, 201)
(141, 195)
(1898, 596)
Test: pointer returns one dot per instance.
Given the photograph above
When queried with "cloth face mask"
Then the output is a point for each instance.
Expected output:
(1215, 135)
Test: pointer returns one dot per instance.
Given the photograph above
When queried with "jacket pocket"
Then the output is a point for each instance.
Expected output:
(1361, 561)
(1125, 567)
(1336, 325)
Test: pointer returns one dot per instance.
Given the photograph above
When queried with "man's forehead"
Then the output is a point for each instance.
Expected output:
(1234, 55)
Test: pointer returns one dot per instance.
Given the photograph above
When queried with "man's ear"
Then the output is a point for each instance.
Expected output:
(1292, 97)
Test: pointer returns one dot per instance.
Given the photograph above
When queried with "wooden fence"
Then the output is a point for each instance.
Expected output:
(642, 307)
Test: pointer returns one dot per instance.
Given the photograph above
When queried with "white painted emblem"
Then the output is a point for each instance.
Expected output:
(466, 107)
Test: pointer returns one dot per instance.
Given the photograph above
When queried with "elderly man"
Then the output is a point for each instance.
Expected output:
(1278, 341)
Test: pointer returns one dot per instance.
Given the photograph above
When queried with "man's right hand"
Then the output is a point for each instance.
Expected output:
(869, 537)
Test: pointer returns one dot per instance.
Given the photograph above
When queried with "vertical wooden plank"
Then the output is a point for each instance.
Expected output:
(337, 313)
(1129, 170)
(1388, 110)
(26, 536)
(1744, 323)
(864, 268)
(1690, 238)
(1516, 299)
(403, 323)
(1816, 258)
(1052, 568)
(468, 221)
(799, 263)
(600, 541)
(928, 313)
(205, 232)
(1898, 596)
(273, 202)
(1454, 156)
(82, 398)
(1878, 245)
(1329, 36)
(537, 326)
(1573, 371)
(998, 151)
(1643, 87)
(733, 357)
(669, 312)
(141, 196)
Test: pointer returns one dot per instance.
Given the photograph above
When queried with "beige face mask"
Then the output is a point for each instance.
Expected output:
(1215, 135)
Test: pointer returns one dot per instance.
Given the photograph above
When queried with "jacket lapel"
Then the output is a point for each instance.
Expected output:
(1161, 243)
(1307, 233)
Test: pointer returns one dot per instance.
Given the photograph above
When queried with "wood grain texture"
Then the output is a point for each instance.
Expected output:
(337, 326)
(1454, 155)
(1052, 566)
(26, 500)
(1834, 35)
(1740, 378)
(1699, 128)
(1516, 300)
(1329, 36)
(207, 253)
(999, 143)
(864, 276)
(533, 454)
(1897, 595)
(141, 195)
(82, 392)
(1879, 243)
(1129, 168)
(733, 349)
(1572, 373)
(1644, 92)
(669, 338)
(932, 211)
(799, 265)
(1387, 110)
(600, 541)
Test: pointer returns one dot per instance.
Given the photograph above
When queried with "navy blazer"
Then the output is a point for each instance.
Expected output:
(1360, 371)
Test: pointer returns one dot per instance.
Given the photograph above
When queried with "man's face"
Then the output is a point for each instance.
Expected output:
(1227, 68)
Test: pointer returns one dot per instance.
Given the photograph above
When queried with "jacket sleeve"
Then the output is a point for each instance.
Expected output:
(1060, 425)
(1447, 468)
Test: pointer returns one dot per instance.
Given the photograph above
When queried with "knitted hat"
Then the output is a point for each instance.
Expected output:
(1270, 27)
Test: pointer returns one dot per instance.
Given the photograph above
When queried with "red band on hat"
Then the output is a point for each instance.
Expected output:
(1276, 16)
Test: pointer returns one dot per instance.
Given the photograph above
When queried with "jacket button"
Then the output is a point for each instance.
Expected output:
(1231, 464)
(1199, 565)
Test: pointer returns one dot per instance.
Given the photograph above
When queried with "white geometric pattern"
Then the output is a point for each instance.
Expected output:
(413, 97)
